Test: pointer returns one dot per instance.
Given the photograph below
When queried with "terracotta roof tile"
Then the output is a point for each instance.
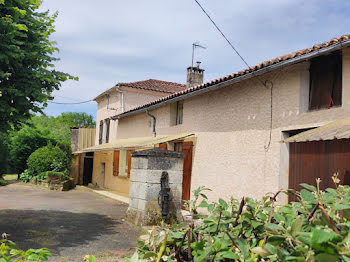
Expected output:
(156, 85)
(259, 66)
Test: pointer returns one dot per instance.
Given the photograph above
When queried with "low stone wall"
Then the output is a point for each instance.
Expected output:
(59, 186)
(146, 171)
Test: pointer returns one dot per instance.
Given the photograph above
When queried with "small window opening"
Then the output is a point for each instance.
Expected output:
(325, 81)
(176, 113)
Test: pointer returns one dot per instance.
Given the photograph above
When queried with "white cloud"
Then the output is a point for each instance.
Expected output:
(109, 41)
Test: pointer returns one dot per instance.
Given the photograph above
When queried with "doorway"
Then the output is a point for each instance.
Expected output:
(88, 167)
(318, 159)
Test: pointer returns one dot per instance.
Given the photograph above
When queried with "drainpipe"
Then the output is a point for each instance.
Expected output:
(154, 123)
(121, 98)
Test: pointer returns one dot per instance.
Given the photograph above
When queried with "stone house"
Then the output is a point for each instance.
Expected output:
(116, 100)
(232, 129)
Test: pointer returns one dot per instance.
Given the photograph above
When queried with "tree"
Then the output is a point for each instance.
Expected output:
(37, 132)
(27, 74)
(22, 144)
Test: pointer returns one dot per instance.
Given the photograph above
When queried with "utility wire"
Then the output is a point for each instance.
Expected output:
(245, 62)
(228, 41)
(75, 103)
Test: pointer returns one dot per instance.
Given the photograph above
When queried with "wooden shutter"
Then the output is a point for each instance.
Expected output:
(116, 163)
(129, 161)
(187, 170)
(100, 133)
(107, 129)
(163, 146)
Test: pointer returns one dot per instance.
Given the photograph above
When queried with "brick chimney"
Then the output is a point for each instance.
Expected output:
(195, 75)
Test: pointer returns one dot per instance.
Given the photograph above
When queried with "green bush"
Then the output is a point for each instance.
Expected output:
(22, 144)
(26, 176)
(9, 252)
(48, 158)
(316, 228)
(3, 182)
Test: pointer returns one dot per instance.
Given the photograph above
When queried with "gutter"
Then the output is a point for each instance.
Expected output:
(267, 69)
(154, 123)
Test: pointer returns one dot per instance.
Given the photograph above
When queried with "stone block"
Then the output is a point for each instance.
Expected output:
(163, 163)
(138, 175)
(134, 203)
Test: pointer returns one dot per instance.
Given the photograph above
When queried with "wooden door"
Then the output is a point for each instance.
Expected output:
(318, 159)
(88, 167)
(187, 170)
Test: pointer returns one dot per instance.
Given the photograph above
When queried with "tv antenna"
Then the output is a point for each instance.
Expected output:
(194, 46)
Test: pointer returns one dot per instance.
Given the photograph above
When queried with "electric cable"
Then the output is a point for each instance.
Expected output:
(245, 62)
(73, 103)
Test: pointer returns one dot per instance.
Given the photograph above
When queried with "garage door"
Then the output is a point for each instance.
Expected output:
(318, 159)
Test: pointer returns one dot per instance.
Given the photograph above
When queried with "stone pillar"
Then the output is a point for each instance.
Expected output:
(146, 171)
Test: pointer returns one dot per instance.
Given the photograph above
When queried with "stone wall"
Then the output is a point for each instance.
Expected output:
(146, 171)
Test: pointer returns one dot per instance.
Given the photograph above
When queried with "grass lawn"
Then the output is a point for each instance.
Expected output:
(10, 176)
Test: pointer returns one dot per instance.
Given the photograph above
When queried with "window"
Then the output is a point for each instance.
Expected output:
(176, 113)
(178, 147)
(100, 134)
(325, 82)
(104, 131)
(124, 159)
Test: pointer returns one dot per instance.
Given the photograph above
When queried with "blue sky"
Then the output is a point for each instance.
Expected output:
(109, 41)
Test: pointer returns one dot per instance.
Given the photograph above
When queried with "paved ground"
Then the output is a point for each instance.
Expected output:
(71, 224)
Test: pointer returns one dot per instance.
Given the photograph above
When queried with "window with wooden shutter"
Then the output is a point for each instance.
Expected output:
(116, 163)
(100, 134)
(326, 81)
(107, 129)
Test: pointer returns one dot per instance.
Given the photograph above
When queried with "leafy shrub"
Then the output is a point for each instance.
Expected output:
(314, 229)
(9, 252)
(22, 144)
(26, 176)
(47, 158)
(3, 182)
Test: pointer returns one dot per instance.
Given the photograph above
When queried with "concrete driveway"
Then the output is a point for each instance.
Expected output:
(71, 224)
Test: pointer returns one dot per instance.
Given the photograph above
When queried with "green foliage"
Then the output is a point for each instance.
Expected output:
(22, 144)
(9, 252)
(59, 127)
(27, 74)
(47, 158)
(27, 175)
(314, 229)
(39, 131)
(4, 140)
(3, 182)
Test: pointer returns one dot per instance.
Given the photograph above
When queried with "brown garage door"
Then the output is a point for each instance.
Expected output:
(310, 160)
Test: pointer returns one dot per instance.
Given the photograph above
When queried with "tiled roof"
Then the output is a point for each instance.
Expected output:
(156, 85)
(266, 64)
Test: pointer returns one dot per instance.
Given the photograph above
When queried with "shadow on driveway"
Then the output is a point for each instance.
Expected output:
(59, 229)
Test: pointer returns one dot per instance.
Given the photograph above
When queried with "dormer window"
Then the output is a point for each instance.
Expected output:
(325, 81)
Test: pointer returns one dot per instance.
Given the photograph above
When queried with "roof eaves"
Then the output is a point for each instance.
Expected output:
(224, 81)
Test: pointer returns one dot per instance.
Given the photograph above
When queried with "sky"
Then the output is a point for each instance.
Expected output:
(111, 41)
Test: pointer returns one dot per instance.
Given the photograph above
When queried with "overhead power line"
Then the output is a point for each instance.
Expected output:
(267, 147)
(73, 103)
(228, 41)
